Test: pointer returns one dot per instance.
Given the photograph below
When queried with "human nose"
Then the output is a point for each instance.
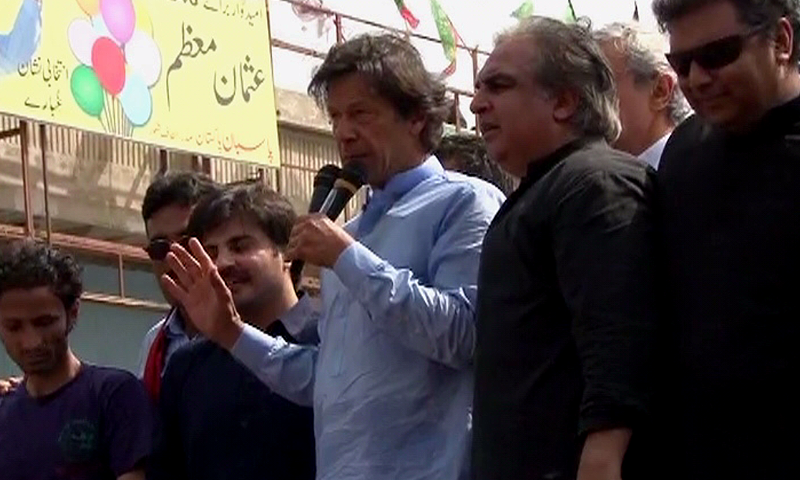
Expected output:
(224, 259)
(479, 103)
(30, 339)
(698, 76)
(343, 130)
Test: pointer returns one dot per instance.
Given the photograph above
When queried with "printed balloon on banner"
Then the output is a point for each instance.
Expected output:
(119, 17)
(91, 7)
(109, 65)
(143, 20)
(137, 103)
(81, 35)
(101, 29)
(87, 91)
(143, 56)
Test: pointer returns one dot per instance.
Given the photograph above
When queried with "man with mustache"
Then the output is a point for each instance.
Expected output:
(566, 294)
(67, 419)
(729, 191)
(217, 420)
(391, 380)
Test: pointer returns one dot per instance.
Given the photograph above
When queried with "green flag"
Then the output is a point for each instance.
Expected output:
(524, 10)
(569, 14)
(447, 35)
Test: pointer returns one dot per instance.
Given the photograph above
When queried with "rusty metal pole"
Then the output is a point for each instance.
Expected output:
(337, 21)
(457, 111)
(26, 180)
(163, 161)
(47, 220)
(121, 275)
(474, 54)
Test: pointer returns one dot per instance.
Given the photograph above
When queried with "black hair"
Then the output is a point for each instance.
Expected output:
(471, 158)
(272, 212)
(395, 70)
(176, 188)
(754, 13)
(28, 264)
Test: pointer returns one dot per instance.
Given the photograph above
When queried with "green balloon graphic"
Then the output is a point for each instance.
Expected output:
(87, 90)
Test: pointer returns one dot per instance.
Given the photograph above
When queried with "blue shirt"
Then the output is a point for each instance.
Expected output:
(391, 381)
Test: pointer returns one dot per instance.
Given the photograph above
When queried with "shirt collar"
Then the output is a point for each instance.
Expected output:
(403, 182)
(175, 326)
(652, 155)
(538, 168)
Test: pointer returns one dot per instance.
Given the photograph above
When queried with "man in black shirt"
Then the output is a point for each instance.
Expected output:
(218, 420)
(566, 284)
(729, 190)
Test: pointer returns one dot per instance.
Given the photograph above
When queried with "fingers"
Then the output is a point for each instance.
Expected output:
(179, 270)
(174, 290)
(185, 266)
(199, 253)
(219, 286)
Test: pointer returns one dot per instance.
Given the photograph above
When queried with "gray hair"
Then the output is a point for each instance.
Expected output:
(566, 57)
(645, 56)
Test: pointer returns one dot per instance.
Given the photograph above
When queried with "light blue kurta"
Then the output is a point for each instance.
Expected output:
(391, 381)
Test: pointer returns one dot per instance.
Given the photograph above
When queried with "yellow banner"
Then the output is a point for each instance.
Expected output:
(193, 75)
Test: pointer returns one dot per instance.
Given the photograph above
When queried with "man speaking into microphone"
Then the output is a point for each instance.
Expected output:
(391, 380)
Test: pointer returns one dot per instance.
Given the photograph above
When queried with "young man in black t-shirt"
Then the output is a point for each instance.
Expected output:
(67, 419)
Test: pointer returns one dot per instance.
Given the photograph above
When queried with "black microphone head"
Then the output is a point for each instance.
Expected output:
(327, 175)
(354, 174)
(323, 183)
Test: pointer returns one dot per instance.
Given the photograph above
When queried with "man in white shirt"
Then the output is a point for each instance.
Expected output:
(651, 104)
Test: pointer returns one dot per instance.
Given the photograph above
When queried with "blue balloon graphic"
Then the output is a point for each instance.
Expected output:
(136, 100)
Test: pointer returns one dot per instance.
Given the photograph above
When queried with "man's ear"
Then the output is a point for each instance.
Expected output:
(784, 42)
(417, 122)
(565, 106)
(72, 315)
(663, 89)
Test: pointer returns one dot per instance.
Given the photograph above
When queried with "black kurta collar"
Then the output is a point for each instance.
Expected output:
(538, 168)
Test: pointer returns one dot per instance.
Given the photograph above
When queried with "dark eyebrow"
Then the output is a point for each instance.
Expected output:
(239, 238)
(494, 77)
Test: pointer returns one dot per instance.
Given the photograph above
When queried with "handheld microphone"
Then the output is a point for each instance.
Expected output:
(352, 178)
(323, 183)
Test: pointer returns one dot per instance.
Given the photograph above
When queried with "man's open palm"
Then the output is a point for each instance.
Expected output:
(203, 294)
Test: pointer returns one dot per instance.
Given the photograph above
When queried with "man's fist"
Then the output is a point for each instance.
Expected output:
(317, 240)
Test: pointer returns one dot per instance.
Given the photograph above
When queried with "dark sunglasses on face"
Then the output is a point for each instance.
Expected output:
(158, 248)
(712, 55)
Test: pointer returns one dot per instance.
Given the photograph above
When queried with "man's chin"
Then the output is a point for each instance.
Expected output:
(38, 367)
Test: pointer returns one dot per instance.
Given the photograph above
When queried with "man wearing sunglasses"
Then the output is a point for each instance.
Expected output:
(729, 187)
(166, 209)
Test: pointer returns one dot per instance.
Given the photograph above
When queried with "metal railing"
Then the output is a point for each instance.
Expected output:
(293, 178)
(337, 21)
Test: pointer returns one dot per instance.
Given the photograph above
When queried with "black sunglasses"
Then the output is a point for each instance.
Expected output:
(158, 248)
(712, 55)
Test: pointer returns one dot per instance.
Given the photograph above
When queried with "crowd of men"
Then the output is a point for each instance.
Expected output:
(626, 312)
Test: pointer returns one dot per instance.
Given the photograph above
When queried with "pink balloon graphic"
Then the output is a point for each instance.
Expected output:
(120, 18)
(109, 65)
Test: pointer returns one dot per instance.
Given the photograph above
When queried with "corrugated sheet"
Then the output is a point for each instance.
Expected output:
(108, 176)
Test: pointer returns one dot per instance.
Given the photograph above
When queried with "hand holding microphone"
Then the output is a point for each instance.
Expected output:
(316, 238)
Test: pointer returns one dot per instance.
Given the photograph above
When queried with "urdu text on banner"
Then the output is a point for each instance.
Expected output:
(192, 75)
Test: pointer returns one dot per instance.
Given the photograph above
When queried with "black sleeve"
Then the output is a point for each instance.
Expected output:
(168, 461)
(603, 238)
